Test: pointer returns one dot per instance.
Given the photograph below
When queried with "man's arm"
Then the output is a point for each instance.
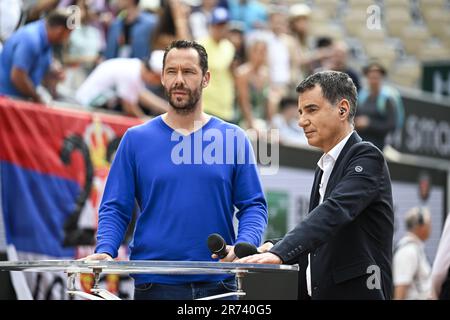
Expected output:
(400, 292)
(118, 200)
(131, 109)
(248, 196)
(152, 102)
(23, 84)
(404, 268)
(348, 199)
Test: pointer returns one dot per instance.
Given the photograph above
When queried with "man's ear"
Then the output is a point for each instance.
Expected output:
(206, 79)
(344, 108)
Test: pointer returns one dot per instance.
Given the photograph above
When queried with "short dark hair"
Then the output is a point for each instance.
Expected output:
(187, 44)
(375, 66)
(287, 102)
(335, 86)
(59, 18)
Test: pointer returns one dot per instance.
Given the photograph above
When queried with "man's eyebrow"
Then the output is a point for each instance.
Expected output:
(308, 106)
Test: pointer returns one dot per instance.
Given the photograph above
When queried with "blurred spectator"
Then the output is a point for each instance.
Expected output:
(218, 97)
(286, 121)
(36, 9)
(236, 36)
(278, 51)
(200, 17)
(83, 50)
(119, 84)
(172, 25)
(440, 273)
(10, 12)
(338, 62)
(253, 88)
(411, 269)
(130, 34)
(304, 59)
(250, 12)
(375, 115)
(279, 59)
(27, 54)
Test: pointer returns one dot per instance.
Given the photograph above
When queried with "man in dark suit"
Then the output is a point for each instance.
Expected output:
(344, 244)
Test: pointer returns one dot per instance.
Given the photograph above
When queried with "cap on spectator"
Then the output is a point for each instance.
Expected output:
(155, 63)
(219, 16)
(299, 10)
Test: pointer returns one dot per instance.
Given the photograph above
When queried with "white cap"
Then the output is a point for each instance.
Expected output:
(156, 61)
(299, 10)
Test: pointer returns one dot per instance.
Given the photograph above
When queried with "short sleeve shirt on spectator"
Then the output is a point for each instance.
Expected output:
(27, 49)
(411, 267)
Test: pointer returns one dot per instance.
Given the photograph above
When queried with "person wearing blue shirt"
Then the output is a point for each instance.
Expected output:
(130, 34)
(187, 171)
(27, 54)
(250, 12)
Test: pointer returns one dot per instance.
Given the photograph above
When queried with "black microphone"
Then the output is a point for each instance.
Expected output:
(217, 245)
(244, 249)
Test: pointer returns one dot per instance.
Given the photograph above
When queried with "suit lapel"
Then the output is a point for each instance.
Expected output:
(354, 138)
(315, 196)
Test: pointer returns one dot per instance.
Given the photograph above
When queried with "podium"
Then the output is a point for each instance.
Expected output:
(74, 268)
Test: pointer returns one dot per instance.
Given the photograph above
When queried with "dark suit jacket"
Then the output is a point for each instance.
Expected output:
(350, 234)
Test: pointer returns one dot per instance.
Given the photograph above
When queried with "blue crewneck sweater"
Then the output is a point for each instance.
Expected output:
(186, 187)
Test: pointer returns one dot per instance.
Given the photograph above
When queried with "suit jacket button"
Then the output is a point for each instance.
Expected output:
(315, 288)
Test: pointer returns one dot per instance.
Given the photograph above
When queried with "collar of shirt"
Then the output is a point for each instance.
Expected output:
(331, 156)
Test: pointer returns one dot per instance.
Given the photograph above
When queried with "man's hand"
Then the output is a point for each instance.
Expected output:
(97, 256)
(230, 256)
(267, 258)
(265, 247)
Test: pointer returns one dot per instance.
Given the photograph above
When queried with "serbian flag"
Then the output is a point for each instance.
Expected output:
(53, 167)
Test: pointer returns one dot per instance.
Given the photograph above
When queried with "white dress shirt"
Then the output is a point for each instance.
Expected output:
(326, 163)
(442, 259)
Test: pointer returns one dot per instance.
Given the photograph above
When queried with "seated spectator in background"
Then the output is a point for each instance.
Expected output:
(200, 17)
(440, 273)
(278, 49)
(278, 59)
(236, 37)
(304, 58)
(27, 55)
(411, 269)
(250, 12)
(253, 88)
(130, 33)
(119, 84)
(83, 51)
(376, 115)
(172, 24)
(338, 62)
(286, 121)
(218, 97)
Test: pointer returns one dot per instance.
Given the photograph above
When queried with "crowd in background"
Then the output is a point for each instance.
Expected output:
(258, 53)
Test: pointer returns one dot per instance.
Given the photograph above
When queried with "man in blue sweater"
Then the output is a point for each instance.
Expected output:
(187, 171)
